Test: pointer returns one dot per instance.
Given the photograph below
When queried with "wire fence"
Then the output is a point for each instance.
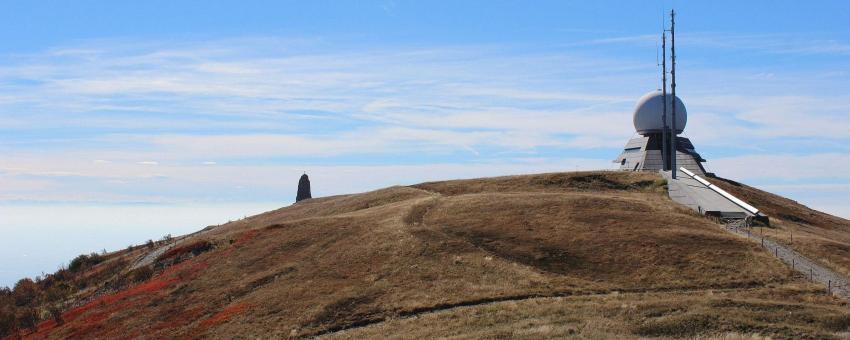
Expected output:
(835, 283)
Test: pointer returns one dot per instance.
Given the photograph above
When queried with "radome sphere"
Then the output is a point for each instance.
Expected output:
(649, 110)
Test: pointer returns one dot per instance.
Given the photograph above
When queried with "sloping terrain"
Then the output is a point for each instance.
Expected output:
(598, 254)
(819, 236)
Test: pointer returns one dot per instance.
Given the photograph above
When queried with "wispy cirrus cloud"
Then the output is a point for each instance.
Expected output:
(770, 43)
(778, 43)
(170, 121)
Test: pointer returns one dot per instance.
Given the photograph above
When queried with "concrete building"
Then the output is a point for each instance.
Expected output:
(644, 153)
(690, 187)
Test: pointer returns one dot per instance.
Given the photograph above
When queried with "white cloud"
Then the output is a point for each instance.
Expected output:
(778, 43)
(837, 209)
(787, 167)
(253, 104)
(260, 179)
(478, 88)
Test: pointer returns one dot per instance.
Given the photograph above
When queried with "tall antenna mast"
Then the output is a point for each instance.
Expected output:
(665, 130)
(673, 89)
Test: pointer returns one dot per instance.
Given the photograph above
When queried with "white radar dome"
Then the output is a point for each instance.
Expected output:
(649, 110)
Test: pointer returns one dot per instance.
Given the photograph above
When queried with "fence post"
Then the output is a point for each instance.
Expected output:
(829, 288)
(776, 251)
(793, 263)
(811, 274)
(762, 241)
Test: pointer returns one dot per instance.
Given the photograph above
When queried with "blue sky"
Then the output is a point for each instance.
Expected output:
(174, 109)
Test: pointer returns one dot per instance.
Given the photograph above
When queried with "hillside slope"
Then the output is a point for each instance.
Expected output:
(817, 235)
(599, 254)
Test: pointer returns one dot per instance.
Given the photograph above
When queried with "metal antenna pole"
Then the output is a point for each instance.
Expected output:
(665, 158)
(673, 89)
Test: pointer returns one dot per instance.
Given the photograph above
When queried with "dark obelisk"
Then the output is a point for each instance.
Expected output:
(303, 188)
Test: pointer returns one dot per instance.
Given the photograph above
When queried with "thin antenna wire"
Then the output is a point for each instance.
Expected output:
(657, 61)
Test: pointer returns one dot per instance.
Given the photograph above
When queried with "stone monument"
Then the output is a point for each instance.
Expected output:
(303, 189)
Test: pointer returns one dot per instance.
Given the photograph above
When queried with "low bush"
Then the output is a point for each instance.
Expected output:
(25, 292)
(83, 262)
(26, 318)
(141, 274)
(181, 253)
(7, 322)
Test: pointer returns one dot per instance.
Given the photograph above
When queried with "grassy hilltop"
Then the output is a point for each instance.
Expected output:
(590, 254)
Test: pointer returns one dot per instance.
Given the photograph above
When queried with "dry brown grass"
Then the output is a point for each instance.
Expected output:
(529, 256)
(614, 240)
(702, 314)
(552, 182)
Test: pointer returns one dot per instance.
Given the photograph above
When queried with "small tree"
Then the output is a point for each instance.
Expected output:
(57, 293)
(26, 318)
(7, 320)
(78, 262)
(83, 262)
(5, 294)
(25, 292)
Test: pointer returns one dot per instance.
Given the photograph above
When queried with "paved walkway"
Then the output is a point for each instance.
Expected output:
(693, 194)
(835, 283)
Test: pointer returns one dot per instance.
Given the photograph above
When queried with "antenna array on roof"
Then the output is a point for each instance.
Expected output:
(669, 132)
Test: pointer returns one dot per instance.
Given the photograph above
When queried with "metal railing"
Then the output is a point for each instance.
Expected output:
(836, 284)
